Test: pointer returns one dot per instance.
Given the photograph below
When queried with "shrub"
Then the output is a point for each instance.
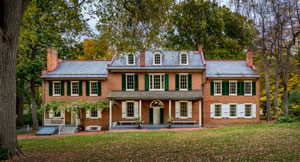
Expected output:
(4, 153)
(285, 119)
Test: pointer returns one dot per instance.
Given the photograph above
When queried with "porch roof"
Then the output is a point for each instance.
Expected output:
(155, 95)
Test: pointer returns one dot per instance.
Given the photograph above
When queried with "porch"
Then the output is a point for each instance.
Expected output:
(154, 126)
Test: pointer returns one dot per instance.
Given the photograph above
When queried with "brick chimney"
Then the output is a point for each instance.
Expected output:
(249, 58)
(142, 59)
(52, 59)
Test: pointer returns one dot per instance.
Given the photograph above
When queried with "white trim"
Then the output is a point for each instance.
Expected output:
(245, 88)
(160, 58)
(72, 88)
(91, 88)
(110, 114)
(133, 81)
(170, 109)
(53, 88)
(215, 89)
(187, 58)
(162, 84)
(187, 80)
(233, 81)
(200, 113)
(127, 61)
(140, 109)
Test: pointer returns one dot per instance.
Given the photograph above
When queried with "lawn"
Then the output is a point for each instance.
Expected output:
(256, 142)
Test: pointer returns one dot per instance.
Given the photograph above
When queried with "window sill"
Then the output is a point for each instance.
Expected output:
(232, 94)
(185, 117)
(55, 95)
(183, 89)
(93, 95)
(129, 118)
(93, 118)
(130, 90)
(73, 95)
(233, 117)
(247, 94)
(156, 90)
(217, 117)
(217, 94)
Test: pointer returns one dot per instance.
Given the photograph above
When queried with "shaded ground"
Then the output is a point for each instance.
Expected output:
(257, 142)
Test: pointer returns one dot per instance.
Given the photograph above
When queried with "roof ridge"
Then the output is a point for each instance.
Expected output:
(84, 60)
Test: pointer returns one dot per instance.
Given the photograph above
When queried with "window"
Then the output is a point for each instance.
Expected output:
(130, 59)
(156, 82)
(183, 109)
(247, 110)
(157, 59)
(75, 88)
(248, 88)
(232, 88)
(217, 110)
(56, 89)
(232, 111)
(183, 81)
(130, 82)
(93, 88)
(57, 114)
(183, 59)
(130, 109)
(218, 87)
(94, 113)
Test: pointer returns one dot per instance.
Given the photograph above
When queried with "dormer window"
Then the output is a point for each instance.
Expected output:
(184, 59)
(130, 59)
(157, 59)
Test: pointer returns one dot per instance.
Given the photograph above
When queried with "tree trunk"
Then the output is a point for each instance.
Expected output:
(33, 104)
(20, 108)
(277, 79)
(285, 83)
(267, 85)
(10, 20)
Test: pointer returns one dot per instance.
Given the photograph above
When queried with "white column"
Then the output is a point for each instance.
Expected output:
(110, 113)
(200, 113)
(170, 108)
(140, 109)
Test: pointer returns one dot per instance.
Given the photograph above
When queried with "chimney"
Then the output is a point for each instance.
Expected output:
(142, 59)
(199, 48)
(52, 59)
(249, 58)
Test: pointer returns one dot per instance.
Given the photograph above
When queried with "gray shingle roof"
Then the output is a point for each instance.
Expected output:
(79, 69)
(216, 69)
(153, 95)
(170, 60)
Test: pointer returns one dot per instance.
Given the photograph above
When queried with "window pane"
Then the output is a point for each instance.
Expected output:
(183, 82)
(56, 113)
(218, 110)
(232, 89)
(130, 82)
(157, 81)
(130, 109)
(248, 87)
(157, 59)
(94, 113)
(94, 88)
(218, 88)
(183, 109)
(247, 110)
(130, 59)
(56, 88)
(75, 87)
(232, 110)
(183, 59)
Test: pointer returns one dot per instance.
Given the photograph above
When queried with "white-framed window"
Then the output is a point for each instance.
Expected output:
(218, 87)
(156, 82)
(130, 82)
(56, 114)
(232, 110)
(130, 59)
(94, 88)
(130, 109)
(183, 82)
(248, 110)
(218, 110)
(184, 60)
(56, 88)
(94, 113)
(183, 112)
(232, 87)
(74, 88)
(248, 87)
(157, 58)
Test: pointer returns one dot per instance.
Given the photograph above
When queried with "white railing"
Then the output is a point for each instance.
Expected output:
(53, 121)
(61, 125)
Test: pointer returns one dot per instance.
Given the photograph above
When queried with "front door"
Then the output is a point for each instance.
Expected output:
(156, 115)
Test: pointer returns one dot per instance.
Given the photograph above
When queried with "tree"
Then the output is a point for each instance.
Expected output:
(11, 13)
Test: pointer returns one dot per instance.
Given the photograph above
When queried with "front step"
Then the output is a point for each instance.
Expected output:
(68, 130)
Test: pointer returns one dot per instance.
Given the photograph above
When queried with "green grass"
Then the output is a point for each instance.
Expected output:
(256, 142)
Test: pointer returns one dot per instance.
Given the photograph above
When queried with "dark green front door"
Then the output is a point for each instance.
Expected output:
(161, 115)
(150, 115)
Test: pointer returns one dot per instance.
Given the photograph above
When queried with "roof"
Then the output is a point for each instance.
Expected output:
(153, 95)
(79, 69)
(228, 69)
(170, 60)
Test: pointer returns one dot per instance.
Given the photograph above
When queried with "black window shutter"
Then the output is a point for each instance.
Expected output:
(62, 88)
(50, 88)
(212, 88)
(177, 82)
(123, 82)
(99, 92)
(69, 88)
(190, 82)
(146, 82)
(253, 88)
(225, 88)
(242, 88)
(166, 82)
(87, 88)
(80, 88)
(136, 82)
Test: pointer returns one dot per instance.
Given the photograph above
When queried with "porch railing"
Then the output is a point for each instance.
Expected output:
(53, 121)
(61, 125)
